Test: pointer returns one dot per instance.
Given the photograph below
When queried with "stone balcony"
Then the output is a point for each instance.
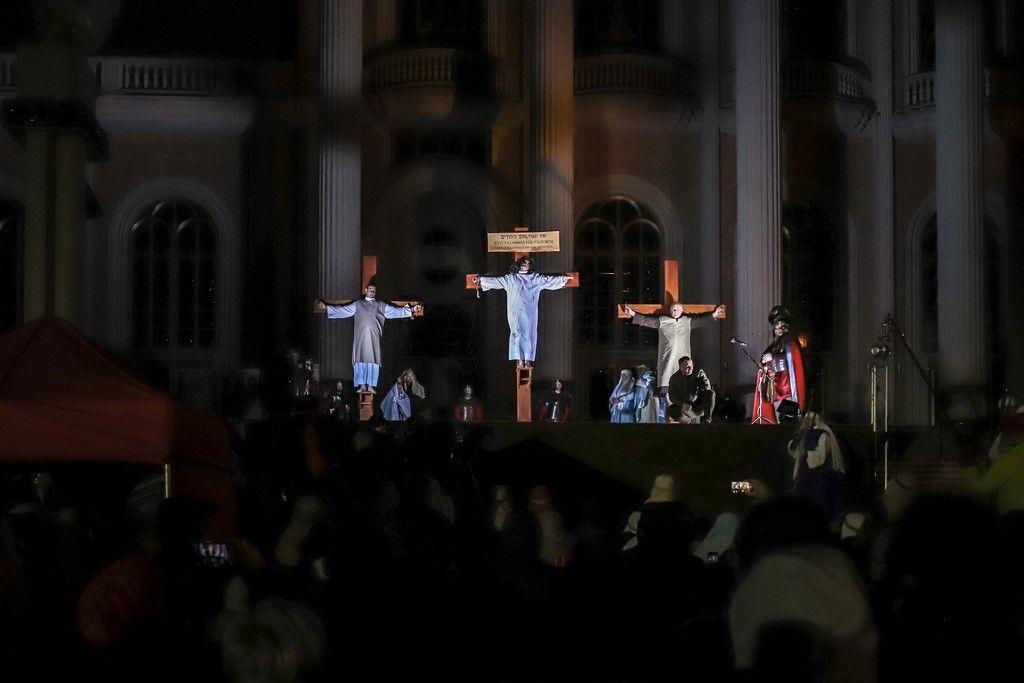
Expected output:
(914, 102)
(168, 76)
(152, 76)
(813, 80)
(423, 86)
(820, 93)
(632, 73)
(634, 91)
(917, 91)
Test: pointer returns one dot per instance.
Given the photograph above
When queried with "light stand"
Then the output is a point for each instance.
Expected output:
(881, 352)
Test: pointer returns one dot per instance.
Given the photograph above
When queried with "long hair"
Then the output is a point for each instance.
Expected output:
(517, 264)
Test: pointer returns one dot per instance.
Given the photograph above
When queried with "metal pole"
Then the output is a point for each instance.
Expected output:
(167, 480)
(885, 429)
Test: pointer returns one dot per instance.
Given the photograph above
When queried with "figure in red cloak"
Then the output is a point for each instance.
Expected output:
(780, 394)
(468, 408)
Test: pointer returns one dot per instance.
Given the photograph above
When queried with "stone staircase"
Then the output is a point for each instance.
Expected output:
(931, 456)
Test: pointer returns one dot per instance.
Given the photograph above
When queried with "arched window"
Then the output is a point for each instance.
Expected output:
(12, 229)
(618, 255)
(174, 278)
(616, 26)
(994, 327)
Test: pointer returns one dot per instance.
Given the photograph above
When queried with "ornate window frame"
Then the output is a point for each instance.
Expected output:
(228, 261)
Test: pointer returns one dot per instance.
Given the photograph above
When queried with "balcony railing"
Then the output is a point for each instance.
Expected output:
(150, 75)
(824, 79)
(635, 73)
(166, 76)
(808, 79)
(8, 72)
(917, 91)
(437, 67)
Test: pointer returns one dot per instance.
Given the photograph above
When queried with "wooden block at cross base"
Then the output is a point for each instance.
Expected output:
(524, 394)
(572, 284)
(658, 309)
(365, 406)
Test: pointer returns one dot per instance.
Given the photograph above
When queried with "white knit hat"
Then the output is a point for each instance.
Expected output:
(814, 585)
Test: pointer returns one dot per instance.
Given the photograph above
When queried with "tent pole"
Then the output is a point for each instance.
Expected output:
(167, 480)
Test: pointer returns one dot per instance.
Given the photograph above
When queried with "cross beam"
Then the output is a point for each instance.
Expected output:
(369, 272)
(671, 295)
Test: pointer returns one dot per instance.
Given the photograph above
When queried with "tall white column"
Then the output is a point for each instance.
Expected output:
(710, 194)
(758, 191)
(882, 160)
(549, 28)
(882, 217)
(959, 140)
(339, 251)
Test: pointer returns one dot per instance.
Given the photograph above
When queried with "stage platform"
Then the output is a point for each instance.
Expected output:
(704, 459)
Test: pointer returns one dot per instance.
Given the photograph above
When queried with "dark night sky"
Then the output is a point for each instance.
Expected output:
(256, 29)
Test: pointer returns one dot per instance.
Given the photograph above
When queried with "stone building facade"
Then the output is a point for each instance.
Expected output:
(848, 158)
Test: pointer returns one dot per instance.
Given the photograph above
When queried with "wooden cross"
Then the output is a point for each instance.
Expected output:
(671, 295)
(524, 375)
(369, 271)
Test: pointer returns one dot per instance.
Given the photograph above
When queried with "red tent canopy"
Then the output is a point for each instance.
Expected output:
(65, 399)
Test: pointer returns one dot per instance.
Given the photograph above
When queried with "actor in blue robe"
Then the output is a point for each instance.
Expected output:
(622, 402)
(396, 406)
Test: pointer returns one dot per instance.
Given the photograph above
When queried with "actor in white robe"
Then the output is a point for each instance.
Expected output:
(522, 289)
(368, 328)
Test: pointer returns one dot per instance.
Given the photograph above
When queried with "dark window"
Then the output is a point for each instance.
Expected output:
(174, 278)
(926, 35)
(616, 26)
(809, 273)
(441, 23)
(618, 255)
(473, 146)
(814, 29)
(12, 230)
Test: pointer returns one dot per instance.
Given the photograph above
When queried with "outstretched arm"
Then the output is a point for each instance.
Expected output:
(702, 319)
(391, 312)
(491, 282)
(335, 311)
(642, 320)
(554, 281)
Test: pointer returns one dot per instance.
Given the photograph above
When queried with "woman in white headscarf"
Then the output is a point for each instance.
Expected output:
(818, 464)
(397, 404)
(622, 402)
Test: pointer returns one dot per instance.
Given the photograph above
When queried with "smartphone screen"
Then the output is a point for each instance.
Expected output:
(741, 487)
(213, 554)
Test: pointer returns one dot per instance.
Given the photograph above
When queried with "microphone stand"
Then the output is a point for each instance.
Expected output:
(760, 419)
(746, 353)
